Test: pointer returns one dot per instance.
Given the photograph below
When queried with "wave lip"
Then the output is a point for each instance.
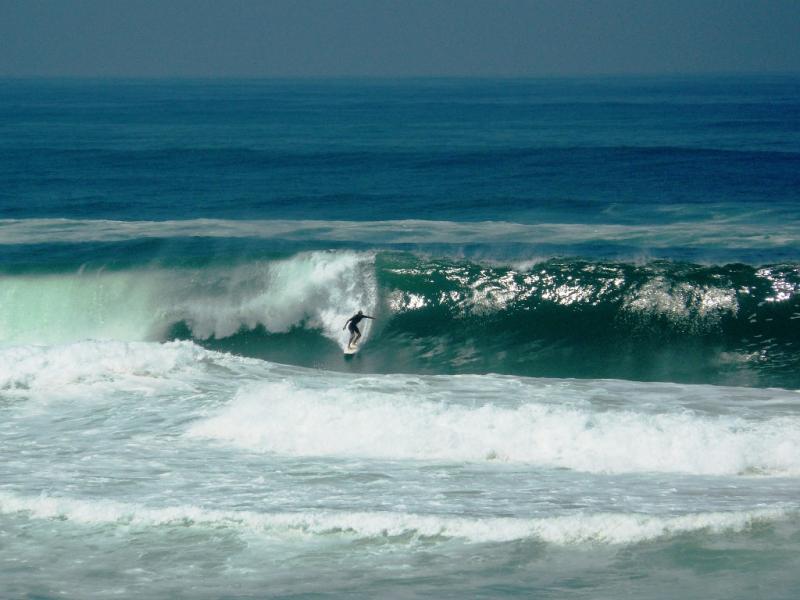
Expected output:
(578, 528)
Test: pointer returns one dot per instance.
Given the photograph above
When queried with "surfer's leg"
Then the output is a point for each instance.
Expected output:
(354, 334)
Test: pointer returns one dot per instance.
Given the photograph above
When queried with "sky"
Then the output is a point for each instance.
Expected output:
(396, 38)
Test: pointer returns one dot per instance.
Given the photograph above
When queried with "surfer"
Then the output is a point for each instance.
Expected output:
(352, 325)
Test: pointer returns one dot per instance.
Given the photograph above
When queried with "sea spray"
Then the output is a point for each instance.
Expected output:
(318, 290)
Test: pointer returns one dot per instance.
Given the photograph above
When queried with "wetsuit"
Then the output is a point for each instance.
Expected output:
(352, 326)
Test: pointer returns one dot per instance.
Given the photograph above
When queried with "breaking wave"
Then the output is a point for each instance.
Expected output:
(733, 324)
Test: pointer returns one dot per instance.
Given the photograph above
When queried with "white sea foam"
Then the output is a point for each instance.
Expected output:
(97, 366)
(712, 233)
(577, 528)
(499, 420)
(320, 289)
(594, 426)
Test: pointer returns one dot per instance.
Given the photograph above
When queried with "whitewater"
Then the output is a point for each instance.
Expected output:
(168, 445)
(582, 381)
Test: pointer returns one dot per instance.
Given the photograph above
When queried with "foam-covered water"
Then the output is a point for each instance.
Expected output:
(154, 438)
(581, 381)
(550, 424)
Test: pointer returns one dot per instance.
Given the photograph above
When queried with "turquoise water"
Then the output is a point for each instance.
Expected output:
(581, 380)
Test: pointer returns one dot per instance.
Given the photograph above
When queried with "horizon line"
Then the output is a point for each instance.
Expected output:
(542, 76)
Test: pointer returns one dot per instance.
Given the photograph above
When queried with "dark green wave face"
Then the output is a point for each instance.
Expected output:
(733, 324)
(577, 319)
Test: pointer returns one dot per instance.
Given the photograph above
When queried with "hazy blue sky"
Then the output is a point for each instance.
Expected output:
(249, 38)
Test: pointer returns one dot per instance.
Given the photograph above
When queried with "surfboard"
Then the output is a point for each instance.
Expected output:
(350, 350)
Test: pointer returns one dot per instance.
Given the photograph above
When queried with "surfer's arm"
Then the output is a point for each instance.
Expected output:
(368, 317)
(345, 325)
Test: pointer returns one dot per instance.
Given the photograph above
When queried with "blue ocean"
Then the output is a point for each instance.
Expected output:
(582, 379)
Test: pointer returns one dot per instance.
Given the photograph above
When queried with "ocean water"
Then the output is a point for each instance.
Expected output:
(583, 379)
